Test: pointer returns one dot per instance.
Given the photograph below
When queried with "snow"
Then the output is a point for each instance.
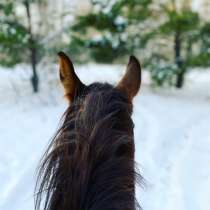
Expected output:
(172, 136)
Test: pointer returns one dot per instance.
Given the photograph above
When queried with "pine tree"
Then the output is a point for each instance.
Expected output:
(19, 43)
(182, 25)
(202, 58)
(13, 35)
(112, 29)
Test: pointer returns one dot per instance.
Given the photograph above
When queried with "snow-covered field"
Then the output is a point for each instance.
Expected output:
(172, 134)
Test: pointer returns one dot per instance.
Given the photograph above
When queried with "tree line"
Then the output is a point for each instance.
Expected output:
(170, 38)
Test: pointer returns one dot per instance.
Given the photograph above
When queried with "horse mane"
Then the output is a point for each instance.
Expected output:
(89, 164)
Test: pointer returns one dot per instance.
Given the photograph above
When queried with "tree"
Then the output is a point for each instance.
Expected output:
(32, 46)
(112, 29)
(182, 25)
(13, 35)
(202, 58)
(18, 39)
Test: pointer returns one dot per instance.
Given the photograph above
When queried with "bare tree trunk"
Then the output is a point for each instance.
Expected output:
(33, 50)
(178, 60)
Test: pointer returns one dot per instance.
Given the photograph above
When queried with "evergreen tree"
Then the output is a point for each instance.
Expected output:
(13, 35)
(18, 41)
(182, 25)
(112, 29)
(203, 56)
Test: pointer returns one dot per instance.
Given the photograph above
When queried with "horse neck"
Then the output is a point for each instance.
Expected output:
(91, 162)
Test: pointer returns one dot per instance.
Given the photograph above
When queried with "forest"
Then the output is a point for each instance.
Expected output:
(170, 37)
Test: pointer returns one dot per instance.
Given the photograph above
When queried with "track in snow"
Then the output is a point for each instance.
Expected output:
(172, 135)
(173, 149)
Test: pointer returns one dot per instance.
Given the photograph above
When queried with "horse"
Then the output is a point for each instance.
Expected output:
(89, 165)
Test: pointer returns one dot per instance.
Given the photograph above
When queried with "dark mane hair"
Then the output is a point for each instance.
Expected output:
(89, 164)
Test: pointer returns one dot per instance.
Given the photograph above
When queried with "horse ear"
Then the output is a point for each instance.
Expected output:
(71, 83)
(131, 81)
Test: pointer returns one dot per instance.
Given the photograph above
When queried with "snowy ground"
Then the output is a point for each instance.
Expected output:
(172, 133)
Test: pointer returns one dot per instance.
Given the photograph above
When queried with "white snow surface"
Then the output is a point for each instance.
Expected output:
(172, 136)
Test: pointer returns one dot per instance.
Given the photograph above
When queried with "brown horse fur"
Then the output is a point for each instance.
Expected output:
(90, 163)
